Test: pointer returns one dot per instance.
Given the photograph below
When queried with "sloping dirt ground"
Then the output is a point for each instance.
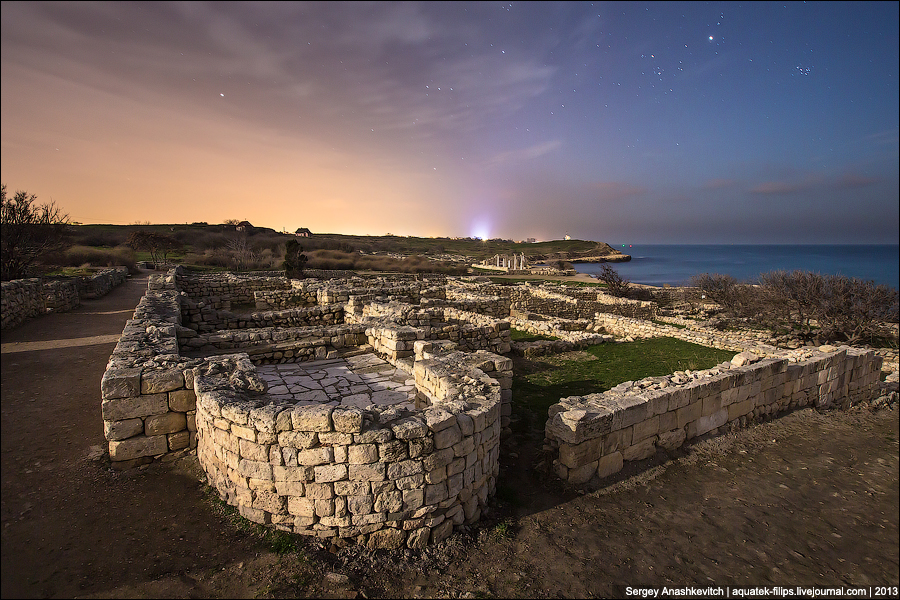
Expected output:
(808, 499)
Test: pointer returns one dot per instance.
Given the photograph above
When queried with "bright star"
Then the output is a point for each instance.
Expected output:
(710, 38)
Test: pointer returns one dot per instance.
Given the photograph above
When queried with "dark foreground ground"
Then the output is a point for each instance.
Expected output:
(808, 499)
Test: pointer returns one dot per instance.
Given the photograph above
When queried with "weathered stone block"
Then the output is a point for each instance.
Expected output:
(137, 447)
(610, 464)
(445, 438)
(119, 409)
(347, 420)
(182, 400)
(155, 382)
(179, 441)
(330, 473)
(120, 430)
(120, 383)
(315, 456)
(170, 422)
(312, 418)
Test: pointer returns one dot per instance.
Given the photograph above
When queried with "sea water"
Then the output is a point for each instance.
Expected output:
(676, 264)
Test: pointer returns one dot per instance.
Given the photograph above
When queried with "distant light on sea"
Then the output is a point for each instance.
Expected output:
(653, 264)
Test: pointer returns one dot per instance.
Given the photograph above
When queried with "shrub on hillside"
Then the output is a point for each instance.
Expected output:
(77, 256)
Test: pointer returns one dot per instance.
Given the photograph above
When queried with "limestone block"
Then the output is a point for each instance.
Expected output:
(253, 451)
(247, 433)
(420, 447)
(576, 455)
(347, 420)
(404, 469)
(464, 447)
(182, 400)
(409, 428)
(315, 456)
(610, 464)
(236, 413)
(445, 438)
(137, 447)
(362, 454)
(689, 413)
(669, 440)
(171, 422)
(435, 493)
(441, 532)
(290, 488)
(417, 539)
(283, 420)
(392, 451)
(351, 488)
(645, 429)
(154, 382)
(298, 439)
(411, 482)
(373, 436)
(390, 502)
(120, 430)
(710, 422)
(360, 505)
(312, 418)
(120, 409)
(369, 472)
(438, 419)
(255, 469)
(301, 507)
(640, 450)
(319, 491)
(582, 474)
(335, 438)
(120, 383)
(330, 473)
(324, 508)
(268, 502)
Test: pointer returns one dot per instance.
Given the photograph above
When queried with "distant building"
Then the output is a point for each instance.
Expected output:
(568, 237)
(303, 232)
(531, 240)
(244, 226)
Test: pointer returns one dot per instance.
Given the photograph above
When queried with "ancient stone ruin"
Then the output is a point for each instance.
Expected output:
(373, 408)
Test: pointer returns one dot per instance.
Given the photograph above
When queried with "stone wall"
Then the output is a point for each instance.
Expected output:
(592, 436)
(25, 298)
(387, 478)
(269, 345)
(148, 402)
(21, 299)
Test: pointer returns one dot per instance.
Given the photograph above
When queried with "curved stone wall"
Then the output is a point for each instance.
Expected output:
(385, 477)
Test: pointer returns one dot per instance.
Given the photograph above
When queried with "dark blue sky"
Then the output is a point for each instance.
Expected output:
(619, 122)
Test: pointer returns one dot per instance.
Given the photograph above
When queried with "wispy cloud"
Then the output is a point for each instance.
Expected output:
(524, 154)
(718, 184)
(777, 188)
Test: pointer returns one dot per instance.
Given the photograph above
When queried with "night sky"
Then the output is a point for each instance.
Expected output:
(617, 122)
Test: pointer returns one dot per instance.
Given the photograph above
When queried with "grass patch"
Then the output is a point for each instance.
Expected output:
(539, 384)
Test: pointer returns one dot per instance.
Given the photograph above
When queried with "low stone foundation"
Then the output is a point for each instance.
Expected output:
(591, 437)
(22, 299)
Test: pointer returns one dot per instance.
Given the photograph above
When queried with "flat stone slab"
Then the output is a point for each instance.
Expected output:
(358, 381)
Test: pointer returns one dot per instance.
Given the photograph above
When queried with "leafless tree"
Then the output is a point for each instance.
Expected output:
(242, 255)
(616, 285)
(27, 232)
(157, 244)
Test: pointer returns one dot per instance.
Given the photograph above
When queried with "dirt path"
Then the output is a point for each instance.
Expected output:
(809, 499)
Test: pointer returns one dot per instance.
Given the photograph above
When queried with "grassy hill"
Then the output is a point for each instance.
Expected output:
(215, 246)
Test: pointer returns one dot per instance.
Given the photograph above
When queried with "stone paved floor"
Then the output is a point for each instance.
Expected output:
(352, 381)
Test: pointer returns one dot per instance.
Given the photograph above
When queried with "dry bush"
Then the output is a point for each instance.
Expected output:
(96, 257)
